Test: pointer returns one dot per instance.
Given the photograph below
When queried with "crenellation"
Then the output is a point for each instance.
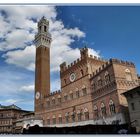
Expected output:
(55, 92)
(98, 58)
(95, 57)
(91, 56)
(78, 60)
(121, 62)
(101, 68)
(72, 64)
(63, 66)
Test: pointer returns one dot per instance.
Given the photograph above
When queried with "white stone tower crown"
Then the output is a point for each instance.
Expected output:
(43, 37)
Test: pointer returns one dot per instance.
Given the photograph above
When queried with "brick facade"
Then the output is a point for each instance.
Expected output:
(90, 91)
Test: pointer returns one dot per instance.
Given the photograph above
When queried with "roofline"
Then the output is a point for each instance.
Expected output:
(128, 92)
(14, 109)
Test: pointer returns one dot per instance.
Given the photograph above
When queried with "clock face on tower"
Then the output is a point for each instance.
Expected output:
(37, 95)
(72, 77)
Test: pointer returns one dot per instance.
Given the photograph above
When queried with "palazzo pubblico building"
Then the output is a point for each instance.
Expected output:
(91, 88)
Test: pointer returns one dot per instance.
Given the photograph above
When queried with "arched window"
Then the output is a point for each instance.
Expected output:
(94, 86)
(71, 95)
(107, 77)
(112, 107)
(77, 93)
(86, 112)
(65, 97)
(103, 109)
(53, 101)
(99, 81)
(82, 72)
(39, 28)
(96, 111)
(48, 120)
(84, 90)
(48, 103)
(67, 117)
(79, 115)
(59, 99)
(54, 119)
(128, 75)
(73, 116)
(45, 29)
(60, 118)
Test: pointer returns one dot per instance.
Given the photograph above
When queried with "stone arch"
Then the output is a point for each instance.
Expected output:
(102, 105)
(83, 86)
(85, 110)
(76, 89)
(128, 75)
(127, 71)
(95, 107)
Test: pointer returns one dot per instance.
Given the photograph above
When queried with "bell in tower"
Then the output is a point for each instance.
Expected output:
(43, 36)
(42, 65)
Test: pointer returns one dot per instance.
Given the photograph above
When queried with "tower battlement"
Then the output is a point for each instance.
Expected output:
(110, 62)
(84, 55)
(55, 92)
(117, 61)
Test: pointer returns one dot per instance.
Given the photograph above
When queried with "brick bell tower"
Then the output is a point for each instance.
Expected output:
(42, 65)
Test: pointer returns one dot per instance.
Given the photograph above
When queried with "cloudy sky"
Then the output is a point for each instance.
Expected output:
(107, 31)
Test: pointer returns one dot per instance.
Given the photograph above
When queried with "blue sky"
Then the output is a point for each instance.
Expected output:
(113, 30)
(109, 32)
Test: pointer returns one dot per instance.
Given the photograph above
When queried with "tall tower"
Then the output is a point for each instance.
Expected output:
(42, 65)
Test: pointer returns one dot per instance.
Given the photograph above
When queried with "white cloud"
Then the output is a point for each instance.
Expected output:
(22, 30)
(23, 58)
(16, 39)
(18, 28)
(27, 88)
(16, 22)
(11, 101)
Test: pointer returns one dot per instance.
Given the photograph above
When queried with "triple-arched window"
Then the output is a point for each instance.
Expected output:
(53, 100)
(67, 117)
(107, 77)
(99, 81)
(54, 119)
(84, 90)
(103, 109)
(59, 99)
(95, 108)
(112, 107)
(48, 103)
(79, 115)
(77, 93)
(60, 118)
(86, 113)
(71, 95)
